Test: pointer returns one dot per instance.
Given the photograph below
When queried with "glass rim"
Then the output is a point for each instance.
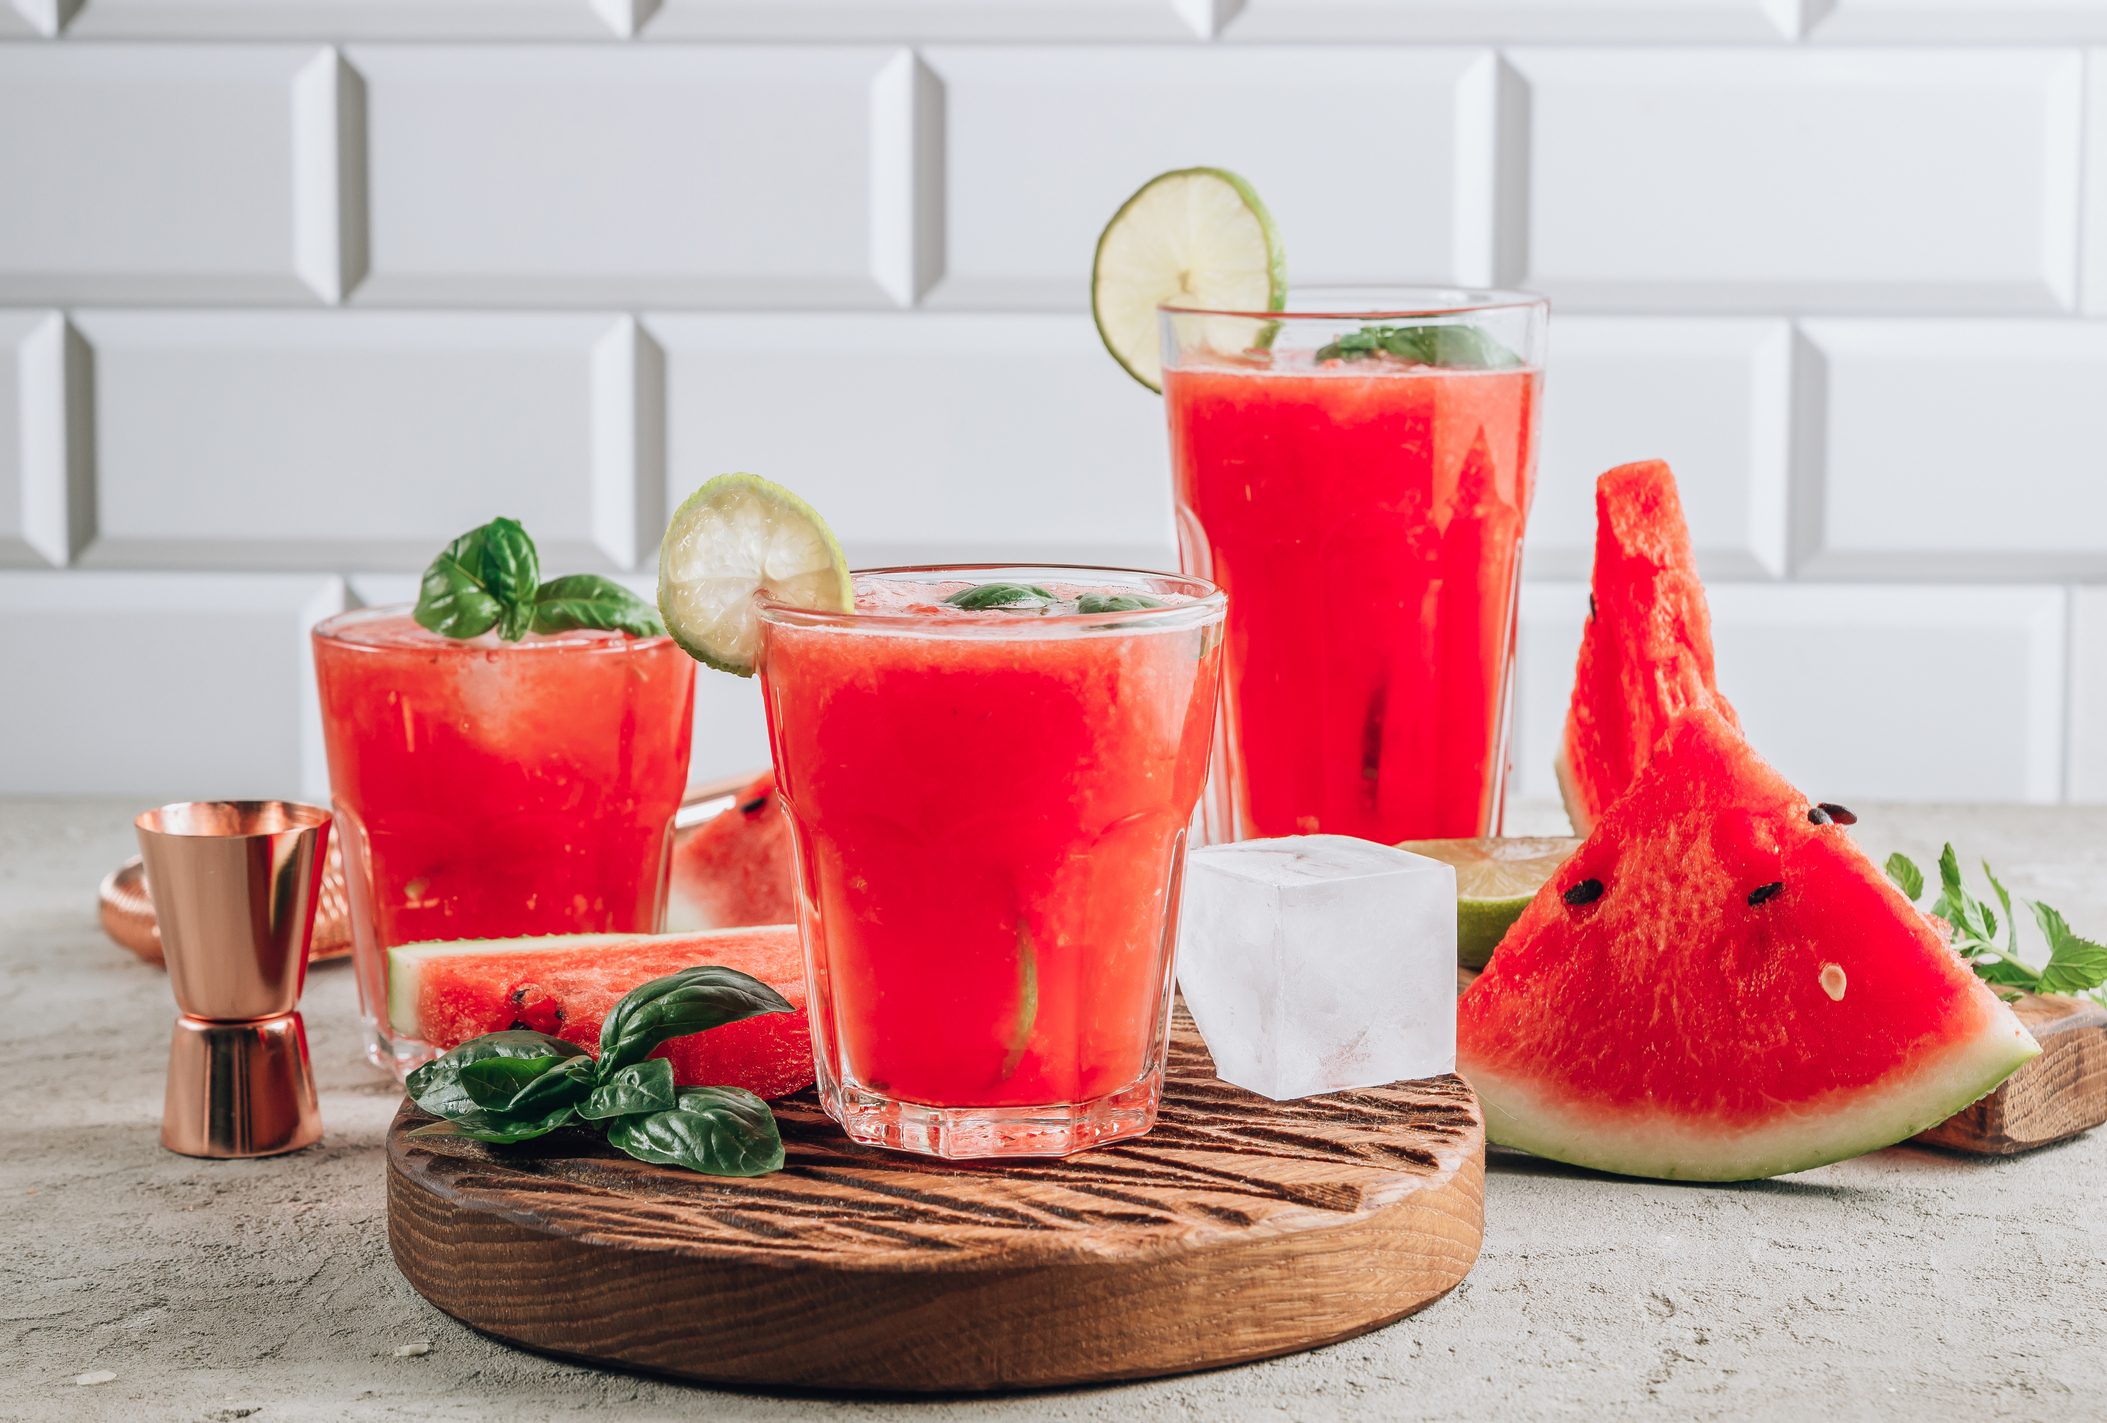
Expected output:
(1375, 304)
(333, 629)
(1207, 603)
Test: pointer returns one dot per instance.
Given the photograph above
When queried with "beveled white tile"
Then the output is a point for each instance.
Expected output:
(1712, 397)
(362, 439)
(1675, 179)
(572, 175)
(163, 686)
(927, 436)
(905, 20)
(43, 509)
(170, 173)
(1953, 449)
(1530, 21)
(1850, 691)
(1042, 145)
(2088, 695)
(354, 19)
(2048, 21)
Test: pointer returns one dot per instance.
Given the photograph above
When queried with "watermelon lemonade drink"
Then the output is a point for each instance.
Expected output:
(487, 787)
(1356, 472)
(989, 773)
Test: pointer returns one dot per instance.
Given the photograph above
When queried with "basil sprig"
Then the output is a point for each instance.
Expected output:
(1116, 602)
(514, 1086)
(999, 595)
(1457, 347)
(491, 578)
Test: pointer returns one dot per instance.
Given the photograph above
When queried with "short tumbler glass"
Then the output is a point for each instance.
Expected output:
(486, 789)
(990, 814)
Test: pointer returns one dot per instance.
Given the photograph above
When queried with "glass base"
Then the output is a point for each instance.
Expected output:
(398, 1057)
(977, 1133)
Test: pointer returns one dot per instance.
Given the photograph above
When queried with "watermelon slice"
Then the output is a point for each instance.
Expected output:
(1719, 985)
(446, 993)
(735, 868)
(1646, 653)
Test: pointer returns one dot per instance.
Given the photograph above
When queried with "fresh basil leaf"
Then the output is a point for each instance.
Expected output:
(691, 1001)
(498, 1128)
(1115, 602)
(1453, 347)
(515, 621)
(2075, 964)
(492, 1082)
(1000, 595)
(722, 1131)
(1907, 877)
(436, 1087)
(587, 600)
(645, 1086)
(468, 588)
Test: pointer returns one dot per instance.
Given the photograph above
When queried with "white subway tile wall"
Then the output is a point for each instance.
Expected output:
(291, 291)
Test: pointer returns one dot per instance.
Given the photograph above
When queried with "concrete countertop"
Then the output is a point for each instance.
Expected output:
(1904, 1284)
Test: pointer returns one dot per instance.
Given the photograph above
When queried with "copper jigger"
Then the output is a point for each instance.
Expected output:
(235, 884)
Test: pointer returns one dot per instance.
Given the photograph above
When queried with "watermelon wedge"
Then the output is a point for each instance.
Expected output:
(446, 993)
(736, 868)
(1719, 985)
(1646, 653)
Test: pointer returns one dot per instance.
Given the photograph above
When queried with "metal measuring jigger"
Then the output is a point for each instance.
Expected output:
(234, 885)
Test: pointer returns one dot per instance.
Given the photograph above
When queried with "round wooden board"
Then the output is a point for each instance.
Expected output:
(1240, 1228)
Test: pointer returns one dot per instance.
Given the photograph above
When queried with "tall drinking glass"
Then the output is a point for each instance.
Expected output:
(989, 810)
(1360, 496)
(486, 789)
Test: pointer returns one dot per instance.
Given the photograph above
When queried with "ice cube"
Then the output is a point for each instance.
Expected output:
(1319, 963)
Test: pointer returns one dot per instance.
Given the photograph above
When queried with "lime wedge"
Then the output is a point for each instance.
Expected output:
(1195, 237)
(1496, 877)
(736, 536)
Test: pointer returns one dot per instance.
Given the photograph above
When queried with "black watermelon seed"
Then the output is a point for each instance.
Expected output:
(1840, 814)
(1586, 892)
(755, 806)
(1591, 607)
(1762, 892)
(1818, 815)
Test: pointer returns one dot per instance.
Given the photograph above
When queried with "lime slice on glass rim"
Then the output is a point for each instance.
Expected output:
(1496, 877)
(1195, 237)
(736, 536)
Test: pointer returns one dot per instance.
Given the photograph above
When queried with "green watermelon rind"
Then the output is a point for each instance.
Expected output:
(1659, 1149)
(406, 962)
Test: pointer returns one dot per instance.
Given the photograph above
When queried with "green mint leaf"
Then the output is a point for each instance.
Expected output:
(2004, 898)
(1453, 347)
(721, 1131)
(587, 600)
(437, 1088)
(2008, 973)
(645, 1086)
(691, 1001)
(2075, 964)
(469, 588)
(1000, 595)
(1115, 602)
(1907, 877)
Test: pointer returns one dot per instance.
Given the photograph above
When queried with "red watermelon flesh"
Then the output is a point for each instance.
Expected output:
(446, 993)
(736, 867)
(1716, 987)
(1646, 652)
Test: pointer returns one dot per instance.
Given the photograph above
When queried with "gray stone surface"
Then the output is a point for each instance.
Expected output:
(1905, 1284)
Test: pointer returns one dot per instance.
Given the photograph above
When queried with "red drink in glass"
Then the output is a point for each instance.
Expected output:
(989, 811)
(1365, 518)
(486, 789)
